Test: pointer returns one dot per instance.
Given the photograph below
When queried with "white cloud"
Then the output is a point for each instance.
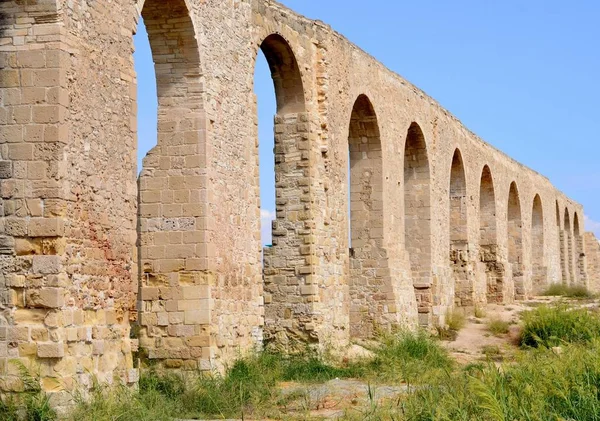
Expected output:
(266, 217)
(267, 214)
(592, 226)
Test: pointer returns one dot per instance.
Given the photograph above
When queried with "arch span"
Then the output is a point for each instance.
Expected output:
(515, 240)
(369, 273)
(173, 176)
(488, 238)
(459, 242)
(580, 269)
(417, 218)
(569, 249)
(286, 75)
(538, 266)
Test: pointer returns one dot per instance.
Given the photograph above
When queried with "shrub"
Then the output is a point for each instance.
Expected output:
(479, 312)
(556, 325)
(498, 327)
(455, 320)
(539, 386)
(569, 291)
(410, 357)
(32, 405)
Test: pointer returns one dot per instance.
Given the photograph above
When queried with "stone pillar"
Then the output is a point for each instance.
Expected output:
(176, 256)
(65, 287)
(291, 288)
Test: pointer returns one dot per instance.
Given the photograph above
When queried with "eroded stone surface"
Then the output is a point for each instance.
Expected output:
(438, 218)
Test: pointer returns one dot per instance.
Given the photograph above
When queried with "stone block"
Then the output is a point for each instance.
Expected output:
(46, 227)
(46, 297)
(197, 317)
(6, 170)
(47, 265)
(51, 350)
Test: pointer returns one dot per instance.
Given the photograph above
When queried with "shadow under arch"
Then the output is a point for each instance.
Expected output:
(369, 272)
(538, 267)
(458, 234)
(417, 220)
(580, 270)
(488, 238)
(289, 261)
(515, 240)
(285, 72)
(569, 249)
(172, 237)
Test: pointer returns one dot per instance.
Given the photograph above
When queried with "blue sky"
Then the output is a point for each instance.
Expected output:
(523, 75)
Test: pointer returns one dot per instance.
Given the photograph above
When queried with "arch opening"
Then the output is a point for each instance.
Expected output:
(580, 271)
(367, 256)
(515, 241)
(417, 219)
(289, 229)
(564, 273)
(537, 246)
(488, 238)
(569, 249)
(459, 243)
(174, 170)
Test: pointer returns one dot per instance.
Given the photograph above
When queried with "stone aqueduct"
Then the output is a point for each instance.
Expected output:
(438, 217)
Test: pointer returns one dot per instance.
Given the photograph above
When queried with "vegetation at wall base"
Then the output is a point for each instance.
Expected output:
(568, 291)
(555, 375)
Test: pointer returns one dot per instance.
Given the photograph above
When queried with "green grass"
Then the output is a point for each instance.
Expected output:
(539, 386)
(411, 357)
(498, 327)
(568, 291)
(558, 325)
(455, 320)
(31, 405)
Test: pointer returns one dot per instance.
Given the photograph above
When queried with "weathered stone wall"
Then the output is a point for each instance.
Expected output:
(435, 218)
(592, 254)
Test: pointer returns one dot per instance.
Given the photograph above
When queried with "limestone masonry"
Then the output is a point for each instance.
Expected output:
(98, 266)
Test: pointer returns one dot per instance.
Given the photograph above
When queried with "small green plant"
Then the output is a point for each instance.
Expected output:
(480, 312)
(568, 291)
(492, 352)
(557, 325)
(32, 404)
(498, 327)
(410, 357)
(455, 320)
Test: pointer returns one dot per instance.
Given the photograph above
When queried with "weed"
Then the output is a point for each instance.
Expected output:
(480, 312)
(498, 327)
(557, 325)
(569, 291)
(455, 320)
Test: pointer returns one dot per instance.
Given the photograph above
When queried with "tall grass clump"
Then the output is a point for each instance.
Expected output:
(411, 357)
(568, 291)
(539, 386)
(557, 325)
(455, 320)
(498, 326)
(33, 404)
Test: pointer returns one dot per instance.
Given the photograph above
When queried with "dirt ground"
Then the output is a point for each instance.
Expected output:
(474, 343)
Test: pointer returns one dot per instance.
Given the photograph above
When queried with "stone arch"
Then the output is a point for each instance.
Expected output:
(580, 269)
(172, 187)
(515, 240)
(368, 270)
(569, 248)
(417, 218)
(488, 237)
(561, 247)
(458, 223)
(285, 72)
(537, 245)
(287, 263)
